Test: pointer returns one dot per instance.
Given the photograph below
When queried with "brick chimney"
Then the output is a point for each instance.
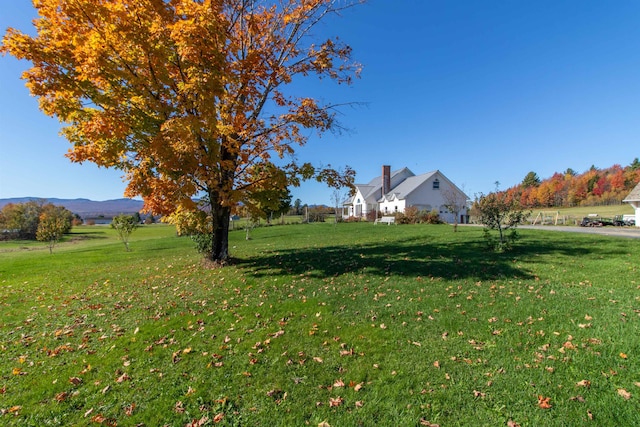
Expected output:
(386, 179)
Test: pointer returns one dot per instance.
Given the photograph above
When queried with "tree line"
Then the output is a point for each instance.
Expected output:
(36, 220)
(593, 187)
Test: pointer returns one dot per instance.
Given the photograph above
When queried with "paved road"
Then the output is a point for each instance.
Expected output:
(631, 232)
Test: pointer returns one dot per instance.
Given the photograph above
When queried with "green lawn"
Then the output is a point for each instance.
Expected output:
(348, 324)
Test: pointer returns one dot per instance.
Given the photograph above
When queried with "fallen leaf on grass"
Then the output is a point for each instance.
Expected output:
(338, 383)
(624, 393)
(544, 402)
(122, 378)
(198, 423)
(129, 409)
(584, 383)
(324, 424)
(218, 417)
(98, 418)
(346, 352)
(512, 423)
(623, 355)
(335, 401)
(62, 396)
(75, 380)
(424, 422)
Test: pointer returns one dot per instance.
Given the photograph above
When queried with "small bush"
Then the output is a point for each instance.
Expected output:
(203, 241)
(353, 219)
(315, 217)
(430, 217)
(373, 215)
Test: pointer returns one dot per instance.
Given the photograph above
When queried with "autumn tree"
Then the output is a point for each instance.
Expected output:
(54, 222)
(188, 98)
(497, 212)
(124, 226)
(21, 219)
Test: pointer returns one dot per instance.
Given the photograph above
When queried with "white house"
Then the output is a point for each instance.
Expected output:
(394, 191)
(634, 200)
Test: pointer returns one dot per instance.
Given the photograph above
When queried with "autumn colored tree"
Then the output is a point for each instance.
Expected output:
(21, 219)
(188, 98)
(497, 212)
(53, 223)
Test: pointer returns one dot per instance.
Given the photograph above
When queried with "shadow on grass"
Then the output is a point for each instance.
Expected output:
(73, 236)
(412, 257)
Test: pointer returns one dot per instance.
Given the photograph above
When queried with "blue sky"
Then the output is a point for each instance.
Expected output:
(484, 91)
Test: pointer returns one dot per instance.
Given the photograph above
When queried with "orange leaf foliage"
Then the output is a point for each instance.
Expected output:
(544, 402)
(185, 97)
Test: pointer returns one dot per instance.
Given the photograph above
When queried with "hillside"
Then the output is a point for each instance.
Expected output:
(594, 187)
(85, 207)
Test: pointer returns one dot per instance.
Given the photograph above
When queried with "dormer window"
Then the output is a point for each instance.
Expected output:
(436, 184)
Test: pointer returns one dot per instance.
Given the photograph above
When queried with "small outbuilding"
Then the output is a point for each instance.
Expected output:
(634, 200)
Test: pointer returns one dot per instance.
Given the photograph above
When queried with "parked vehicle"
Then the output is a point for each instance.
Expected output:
(629, 219)
(597, 221)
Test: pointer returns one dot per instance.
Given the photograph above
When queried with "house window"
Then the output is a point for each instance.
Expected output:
(358, 201)
(396, 207)
(436, 184)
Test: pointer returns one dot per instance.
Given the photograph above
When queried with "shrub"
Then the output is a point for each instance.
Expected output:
(501, 214)
(315, 217)
(373, 215)
(430, 217)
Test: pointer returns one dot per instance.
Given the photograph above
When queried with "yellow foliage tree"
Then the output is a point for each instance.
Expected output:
(186, 97)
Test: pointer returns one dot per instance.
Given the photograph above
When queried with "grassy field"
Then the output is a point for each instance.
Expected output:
(321, 324)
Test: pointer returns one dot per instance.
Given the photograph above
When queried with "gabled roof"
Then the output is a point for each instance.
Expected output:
(373, 188)
(634, 196)
(407, 186)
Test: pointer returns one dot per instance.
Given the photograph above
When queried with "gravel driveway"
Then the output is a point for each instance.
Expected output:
(631, 232)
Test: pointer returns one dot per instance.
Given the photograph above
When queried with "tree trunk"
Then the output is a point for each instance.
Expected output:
(220, 238)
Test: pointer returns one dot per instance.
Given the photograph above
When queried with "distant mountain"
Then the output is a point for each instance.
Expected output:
(87, 208)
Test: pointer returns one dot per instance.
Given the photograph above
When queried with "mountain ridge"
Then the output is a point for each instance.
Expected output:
(85, 207)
